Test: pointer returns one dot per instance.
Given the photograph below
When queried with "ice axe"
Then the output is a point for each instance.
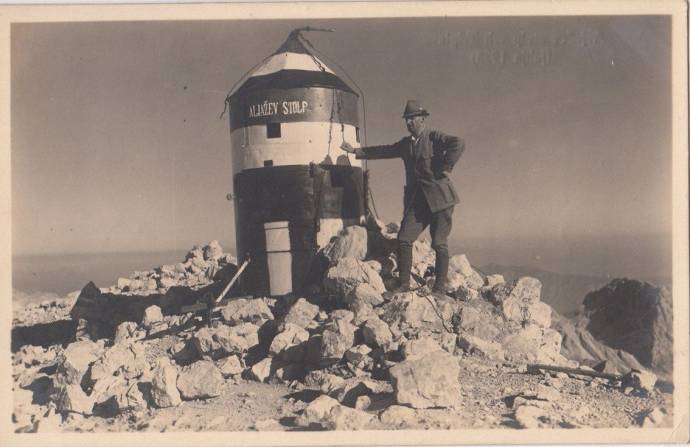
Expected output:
(209, 302)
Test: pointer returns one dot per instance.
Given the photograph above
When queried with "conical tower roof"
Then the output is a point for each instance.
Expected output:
(292, 65)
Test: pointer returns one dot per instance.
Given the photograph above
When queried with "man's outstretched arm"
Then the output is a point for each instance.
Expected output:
(373, 152)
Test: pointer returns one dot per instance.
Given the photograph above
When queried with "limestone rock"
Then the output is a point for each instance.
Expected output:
(398, 416)
(460, 264)
(490, 349)
(237, 339)
(164, 392)
(362, 312)
(358, 354)
(212, 251)
(376, 333)
(301, 313)
(640, 380)
(529, 416)
(254, 311)
(411, 311)
(492, 280)
(414, 349)
(200, 380)
(126, 360)
(348, 273)
(261, 371)
(75, 361)
(534, 344)
(429, 381)
(351, 242)
(523, 303)
(231, 366)
(336, 339)
(71, 398)
(316, 411)
(288, 344)
(128, 331)
(364, 293)
(152, 314)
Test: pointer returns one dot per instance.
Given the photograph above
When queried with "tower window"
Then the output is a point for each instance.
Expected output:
(272, 130)
(357, 134)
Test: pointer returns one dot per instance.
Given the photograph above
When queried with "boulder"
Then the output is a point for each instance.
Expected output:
(254, 311)
(490, 349)
(363, 293)
(398, 416)
(428, 381)
(152, 314)
(640, 380)
(129, 361)
(261, 371)
(351, 242)
(212, 251)
(423, 257)
(411, 311)
(348, 273)
(337, 337)
(357, 354)
(342, 314)
(288, 344)
(529, 416)
(495, 279)
(205, 342)
(534, 344)
(117, 395)
(325, 412)
(75, 361)
(461, 265)
(328, 383)
(200, 380)
(128, 331)
(72, 398)
(164, 392)
(361, 312)
(301, 313)
(316, 412)
(376, 333)
(414, 349)
(230, 366)
(237, 339)
(523, 305)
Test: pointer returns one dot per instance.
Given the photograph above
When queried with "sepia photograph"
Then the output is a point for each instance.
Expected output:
(345, 223)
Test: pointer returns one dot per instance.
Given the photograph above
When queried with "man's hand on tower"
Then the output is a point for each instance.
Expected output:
(347, 147)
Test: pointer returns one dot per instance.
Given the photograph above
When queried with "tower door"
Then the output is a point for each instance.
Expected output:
(279, 257)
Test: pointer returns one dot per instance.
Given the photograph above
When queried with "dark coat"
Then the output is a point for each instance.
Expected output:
(425, 161)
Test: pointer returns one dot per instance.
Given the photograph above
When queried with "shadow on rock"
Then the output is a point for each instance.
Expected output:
(43, 334)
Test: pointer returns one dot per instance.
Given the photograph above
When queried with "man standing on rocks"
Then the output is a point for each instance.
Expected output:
(429, 196)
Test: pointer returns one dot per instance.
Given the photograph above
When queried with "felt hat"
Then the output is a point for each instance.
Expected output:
(414, 108)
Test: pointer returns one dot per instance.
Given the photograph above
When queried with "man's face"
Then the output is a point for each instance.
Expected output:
(415, 124)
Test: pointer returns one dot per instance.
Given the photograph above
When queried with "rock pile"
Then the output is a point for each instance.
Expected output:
(370, 355)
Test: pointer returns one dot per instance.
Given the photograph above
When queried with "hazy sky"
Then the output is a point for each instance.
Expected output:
(117, 143)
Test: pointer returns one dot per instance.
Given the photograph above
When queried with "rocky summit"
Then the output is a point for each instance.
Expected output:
(347, 355)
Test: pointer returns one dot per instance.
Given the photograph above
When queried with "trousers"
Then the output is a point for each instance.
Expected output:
(417, 217)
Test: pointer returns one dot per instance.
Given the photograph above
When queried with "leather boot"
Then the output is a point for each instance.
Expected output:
(441, 268)
(404, 264)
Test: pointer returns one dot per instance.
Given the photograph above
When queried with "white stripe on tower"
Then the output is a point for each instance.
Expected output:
(289, 61)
